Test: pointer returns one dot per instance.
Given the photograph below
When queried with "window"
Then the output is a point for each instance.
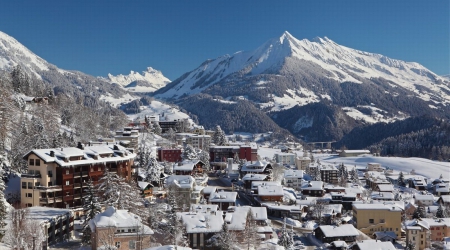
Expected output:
(421, 242)
(117, 244)
(29, 205)
(29, 195)
(414, 238)
(31, 162)
(24, 185)
(50, 174)
(67, 183)
(67, 171)
(132, 244)
(381, 220)
(421, 236)
(371, 221)
(49, 184)
(38, 184)
(30, 185)
(37, 162)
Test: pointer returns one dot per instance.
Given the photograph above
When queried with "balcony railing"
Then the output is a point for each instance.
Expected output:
(47, 200)
(58, 199)
(31, 175)
(85, 173)
(77, 185)
(49, 188)
(77, 196)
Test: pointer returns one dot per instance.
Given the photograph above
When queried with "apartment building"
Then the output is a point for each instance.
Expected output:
(371, 218)
(199, 141)
(57, 177)
(293, 178)
(169, 154)
(329, 174)
(221, 153)
(285, 158)
(418, 233)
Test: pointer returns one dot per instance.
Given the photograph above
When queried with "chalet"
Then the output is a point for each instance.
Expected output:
(313, 188)
(258, 167)
(236, 220)
(128, 137)
(146, 189)
(184, 185)
(249, 178)
(328, 234)
(188, 167)
(385, 188)
(119, 228)
(279, 210)
(223, 199)
(383, 196)
(257, 184)
(58, 177)
(424, 199)
(201, 226)
(270, 193)
(374, 167)
(441, 189)
(444, 200)
(418, 182)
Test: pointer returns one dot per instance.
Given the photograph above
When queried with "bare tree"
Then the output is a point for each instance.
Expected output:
(23, 232)
(317, 210)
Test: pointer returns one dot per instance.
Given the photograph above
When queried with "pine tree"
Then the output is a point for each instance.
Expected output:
(250, 233)
(189, 153)
(3, 208)
(171, 135)
(410, 245)
(236, 158)
(172, 226)
(153, 170)
(285, 238)
(441, 212)
(156, 128)
(420, 212)
(401, 180)
(219, 137)
(204, 157)
(91, 208)
(108, 187)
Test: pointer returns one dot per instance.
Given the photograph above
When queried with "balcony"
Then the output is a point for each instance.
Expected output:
(77, 196)
(46, 200)
(49, 188)
(68, 198)
(85, 173)
(31, 175)
(58, 199)
(77, 185)
(67, 187)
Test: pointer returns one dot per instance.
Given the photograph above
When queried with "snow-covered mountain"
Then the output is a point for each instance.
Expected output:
(70, 82)
(334, 61)
(149, 81)
(286, 72)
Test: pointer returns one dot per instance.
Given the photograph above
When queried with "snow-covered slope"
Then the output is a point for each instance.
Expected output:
(13, 53)
(149, 81)
(335, 61)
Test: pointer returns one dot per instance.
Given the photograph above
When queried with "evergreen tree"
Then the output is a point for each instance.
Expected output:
(156, 128)
(250, 233)
(236, 158)
(441, 212)
(172, 226)
(171, 135)
(420, 212)
(3, 208)
(204, 157)
(108, 187)
(410, 245)
(189, 153)
(91, 208)
(153, 170)
(219, 137)
(285, 238)
(401, 180)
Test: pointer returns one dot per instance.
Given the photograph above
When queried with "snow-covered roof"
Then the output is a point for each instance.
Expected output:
(375, 245)
(380, 235)
(374, 206)
(203, 208)
(386, 187)
(223, 197)
(142, 184)
(254, 177)
(312, 185)
(356, 151)
(182, 181)
(113, 217)
(186, 165)
(270, 191)
(340, 231)
(63, 155)
(46, 213)
(291, 173)
(209, 190)
(238, 217)
(424, 197)
(445, 198)
(202, 222)
(256, 184)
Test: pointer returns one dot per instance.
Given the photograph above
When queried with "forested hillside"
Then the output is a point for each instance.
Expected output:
(67, 118)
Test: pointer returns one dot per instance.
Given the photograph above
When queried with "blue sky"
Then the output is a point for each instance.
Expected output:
(106, 36)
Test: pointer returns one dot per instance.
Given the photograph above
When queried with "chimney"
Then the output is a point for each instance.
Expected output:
(52, 153)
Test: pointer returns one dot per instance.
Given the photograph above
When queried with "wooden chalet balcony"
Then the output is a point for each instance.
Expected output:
(67, 187)
(85, 173)
(58, 199)
(67, 176)
(77, 185)
(77, 196)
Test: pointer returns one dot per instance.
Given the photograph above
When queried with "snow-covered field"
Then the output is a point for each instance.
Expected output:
(425, 167)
